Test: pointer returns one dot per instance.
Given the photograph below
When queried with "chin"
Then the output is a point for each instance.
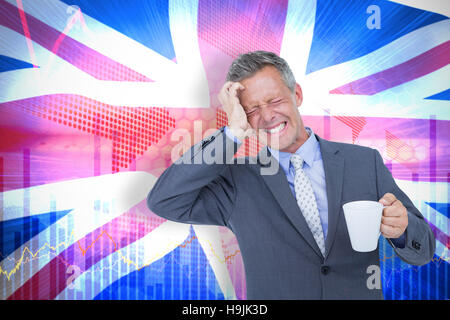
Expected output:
(281, 146)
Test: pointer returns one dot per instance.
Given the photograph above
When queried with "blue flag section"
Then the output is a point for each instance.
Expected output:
(15, 233)
(347, 30)
(184, 274)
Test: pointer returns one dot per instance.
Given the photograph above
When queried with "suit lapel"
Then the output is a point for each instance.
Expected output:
(333, 165)
(279, 186)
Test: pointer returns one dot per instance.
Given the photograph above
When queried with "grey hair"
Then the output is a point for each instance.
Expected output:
(246, 65)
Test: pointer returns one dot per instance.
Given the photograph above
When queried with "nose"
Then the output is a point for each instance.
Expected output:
(267, 114)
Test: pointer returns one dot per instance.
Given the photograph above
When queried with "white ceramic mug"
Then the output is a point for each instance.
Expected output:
(363, 220)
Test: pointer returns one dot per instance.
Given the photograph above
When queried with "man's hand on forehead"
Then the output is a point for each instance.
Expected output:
(237, 119)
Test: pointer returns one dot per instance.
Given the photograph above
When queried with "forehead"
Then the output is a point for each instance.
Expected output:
(262, 86)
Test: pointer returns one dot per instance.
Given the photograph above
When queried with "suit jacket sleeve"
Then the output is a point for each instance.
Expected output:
(420, 241)
(196, 190)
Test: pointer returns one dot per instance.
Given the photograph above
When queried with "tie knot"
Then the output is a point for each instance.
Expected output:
(297, 161)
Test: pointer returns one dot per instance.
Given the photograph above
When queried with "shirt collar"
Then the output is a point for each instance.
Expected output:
(307, 151)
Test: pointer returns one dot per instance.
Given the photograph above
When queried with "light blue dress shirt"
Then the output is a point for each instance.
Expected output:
(312, 166)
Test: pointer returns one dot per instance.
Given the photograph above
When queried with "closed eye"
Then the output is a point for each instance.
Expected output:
(276, 101)
(251, 112)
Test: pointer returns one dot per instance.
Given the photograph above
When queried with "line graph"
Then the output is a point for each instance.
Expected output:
(22, 260)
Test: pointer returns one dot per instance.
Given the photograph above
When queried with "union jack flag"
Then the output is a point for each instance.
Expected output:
(91, 93)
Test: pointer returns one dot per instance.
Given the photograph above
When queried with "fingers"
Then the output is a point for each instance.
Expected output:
(395, 217)
(223, 92)
(231, 88)
(237, 119)
(396, 209)
(228, 84)
(228, 95)
(395, 222)
(232, 91)
(234, 87)
(390, 232)
(387, 199)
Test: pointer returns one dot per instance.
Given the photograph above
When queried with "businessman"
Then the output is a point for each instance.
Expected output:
(289, 220)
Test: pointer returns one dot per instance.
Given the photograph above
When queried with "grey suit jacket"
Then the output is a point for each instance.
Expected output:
(253, 199)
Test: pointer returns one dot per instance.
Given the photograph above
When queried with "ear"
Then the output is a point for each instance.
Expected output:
(298, 95)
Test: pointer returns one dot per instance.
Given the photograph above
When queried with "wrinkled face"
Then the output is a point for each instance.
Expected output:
(271, 109)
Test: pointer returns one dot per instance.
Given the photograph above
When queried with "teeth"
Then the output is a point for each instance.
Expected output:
(277, 129)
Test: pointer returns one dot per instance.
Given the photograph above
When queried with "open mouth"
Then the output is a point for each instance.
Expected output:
(279, 128)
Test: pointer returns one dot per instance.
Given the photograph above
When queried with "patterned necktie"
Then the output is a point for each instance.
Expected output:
(307, 201)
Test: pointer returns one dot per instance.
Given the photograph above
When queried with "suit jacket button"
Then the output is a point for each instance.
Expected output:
(325, 270)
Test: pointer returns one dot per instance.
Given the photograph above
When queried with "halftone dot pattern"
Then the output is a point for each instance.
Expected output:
(132, 130)
(236, 29)
(191, 126)
(222, 119)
